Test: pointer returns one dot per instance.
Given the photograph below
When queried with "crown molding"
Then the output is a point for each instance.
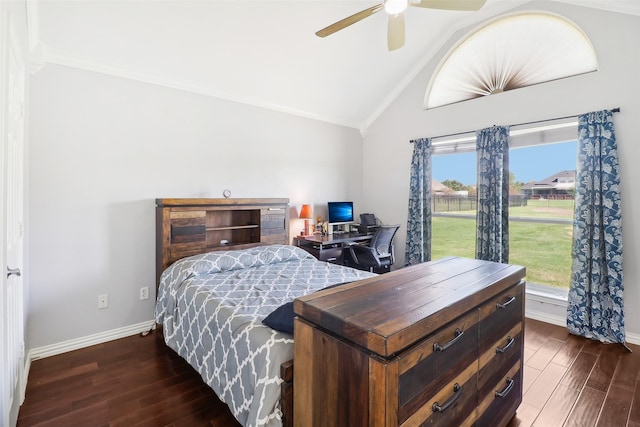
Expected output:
(59, 57)
(40, 54)
(35, 60)
(425, 59)
(33, 23)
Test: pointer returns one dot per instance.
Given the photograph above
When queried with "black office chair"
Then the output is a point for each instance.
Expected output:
(378, 257)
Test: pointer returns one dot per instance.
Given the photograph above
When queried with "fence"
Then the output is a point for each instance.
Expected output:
(552, 197)
(457, 203)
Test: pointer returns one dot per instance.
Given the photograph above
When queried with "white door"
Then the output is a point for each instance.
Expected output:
(12, 89)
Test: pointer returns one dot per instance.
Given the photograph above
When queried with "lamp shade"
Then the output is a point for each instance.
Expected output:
(305, 212)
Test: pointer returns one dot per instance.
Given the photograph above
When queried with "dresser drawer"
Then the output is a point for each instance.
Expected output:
(499, 314)
(429, 369)
(495, 362)
(497, 407)
(331, 255)
(501, 345)
(452, 405)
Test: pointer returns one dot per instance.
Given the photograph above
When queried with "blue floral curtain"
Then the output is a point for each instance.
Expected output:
(596, 307)
(492, 217)
(418, 247)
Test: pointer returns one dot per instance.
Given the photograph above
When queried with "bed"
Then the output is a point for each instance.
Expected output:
(224, 266)
(212, 306)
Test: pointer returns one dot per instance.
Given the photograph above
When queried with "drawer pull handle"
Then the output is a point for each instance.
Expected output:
(457, 391)
(456, 337)
(510, 341)
(507, 389)
(506, 303)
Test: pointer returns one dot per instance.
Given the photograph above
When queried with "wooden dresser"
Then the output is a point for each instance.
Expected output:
(439, 343)
(187, 227)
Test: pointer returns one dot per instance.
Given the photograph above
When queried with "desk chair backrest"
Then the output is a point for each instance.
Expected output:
(382, 239)
(377, 256)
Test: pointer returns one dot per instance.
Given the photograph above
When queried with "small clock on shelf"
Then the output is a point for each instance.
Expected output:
(226, 194)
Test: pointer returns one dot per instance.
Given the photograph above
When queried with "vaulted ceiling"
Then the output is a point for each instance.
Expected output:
(263, 52)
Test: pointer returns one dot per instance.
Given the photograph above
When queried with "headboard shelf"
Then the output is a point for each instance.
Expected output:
(186, 227)
(232, 227)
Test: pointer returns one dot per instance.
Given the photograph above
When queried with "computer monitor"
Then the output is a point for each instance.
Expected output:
(340, 212)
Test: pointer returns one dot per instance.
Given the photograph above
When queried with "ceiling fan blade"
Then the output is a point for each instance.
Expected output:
(344, 23)
(395, 32)
(470, 5)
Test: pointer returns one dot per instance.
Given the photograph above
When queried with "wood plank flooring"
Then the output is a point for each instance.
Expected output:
(572, 381)
(136, 381)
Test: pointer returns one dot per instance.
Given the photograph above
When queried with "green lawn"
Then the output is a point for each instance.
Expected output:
(544, 209)
(544, 249)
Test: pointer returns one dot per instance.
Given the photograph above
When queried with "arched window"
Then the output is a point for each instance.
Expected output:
(511, 52)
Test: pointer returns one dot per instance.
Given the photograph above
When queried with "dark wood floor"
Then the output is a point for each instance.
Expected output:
(572, 381)
(135, 381)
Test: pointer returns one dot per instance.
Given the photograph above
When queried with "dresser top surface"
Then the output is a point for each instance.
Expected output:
(388, 313)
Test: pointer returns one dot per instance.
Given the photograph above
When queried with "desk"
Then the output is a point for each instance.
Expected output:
(329, 248)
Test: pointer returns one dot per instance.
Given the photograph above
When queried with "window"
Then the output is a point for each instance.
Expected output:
(453, 206)
(542, 162)
(510, 52)
(541, 228)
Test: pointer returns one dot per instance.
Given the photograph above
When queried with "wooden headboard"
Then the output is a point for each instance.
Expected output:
(186, 227)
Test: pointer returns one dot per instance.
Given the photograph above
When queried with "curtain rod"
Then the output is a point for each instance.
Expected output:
(614, 110)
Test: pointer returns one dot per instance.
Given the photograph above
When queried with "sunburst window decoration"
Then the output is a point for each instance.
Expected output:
(511, 52)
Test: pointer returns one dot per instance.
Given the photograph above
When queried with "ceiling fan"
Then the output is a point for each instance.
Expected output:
(395, 9)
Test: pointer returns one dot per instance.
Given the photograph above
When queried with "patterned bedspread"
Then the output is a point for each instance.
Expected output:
(211, 308)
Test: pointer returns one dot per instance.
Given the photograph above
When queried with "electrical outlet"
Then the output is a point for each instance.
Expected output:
(103, 301)
(144, 292)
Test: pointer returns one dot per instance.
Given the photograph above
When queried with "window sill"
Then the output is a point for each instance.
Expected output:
(547, 294)
(546, 304)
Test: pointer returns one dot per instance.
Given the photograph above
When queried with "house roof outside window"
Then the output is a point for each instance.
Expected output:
(561, 182)
(439, 188)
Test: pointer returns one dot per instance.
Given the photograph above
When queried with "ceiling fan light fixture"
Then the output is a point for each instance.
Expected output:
(395, 7)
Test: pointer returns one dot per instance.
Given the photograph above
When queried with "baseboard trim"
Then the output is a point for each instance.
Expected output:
(545, 317)
(632, 338)
(82, 342)
(78, 343)
(562, 321)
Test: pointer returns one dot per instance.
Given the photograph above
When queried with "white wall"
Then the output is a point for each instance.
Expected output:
(387, 152)
(103, 148)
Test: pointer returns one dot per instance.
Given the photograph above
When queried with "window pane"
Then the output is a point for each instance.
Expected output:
(544, 208)
(457, 167)
(453, 236)
(540, 232)
(453, 205)
(544, 249)
(540, 228)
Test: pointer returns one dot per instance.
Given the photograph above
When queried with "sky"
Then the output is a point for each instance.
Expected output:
(528, 163)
